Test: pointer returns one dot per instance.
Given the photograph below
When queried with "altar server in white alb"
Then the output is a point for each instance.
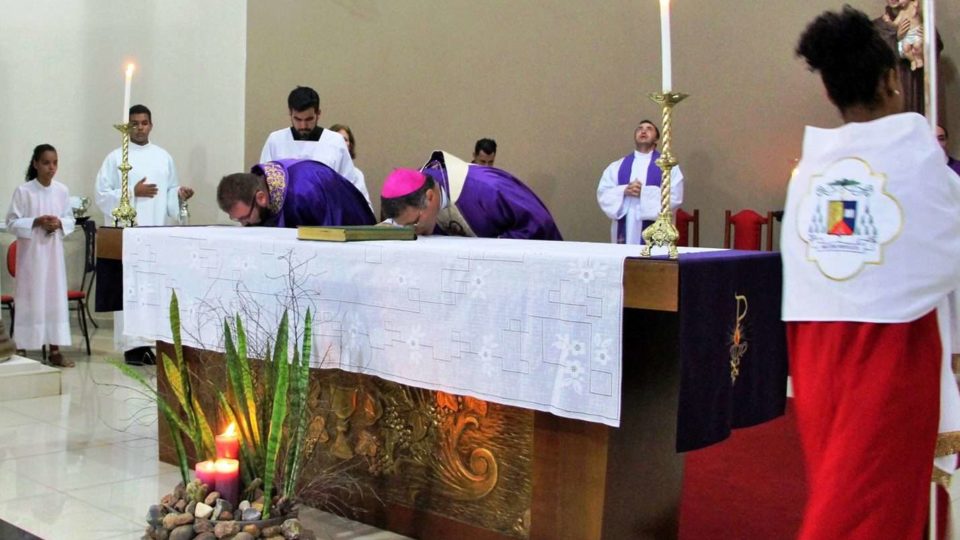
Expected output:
(154, 191)
(629, 190)
(871, 268)
(304, 139)
(40, 216)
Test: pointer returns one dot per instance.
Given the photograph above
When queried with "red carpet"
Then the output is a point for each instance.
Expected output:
(751, 486)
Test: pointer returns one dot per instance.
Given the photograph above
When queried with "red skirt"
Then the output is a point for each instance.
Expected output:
(868, 404)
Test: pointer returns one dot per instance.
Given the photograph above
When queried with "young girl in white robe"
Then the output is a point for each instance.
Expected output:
(40, 216)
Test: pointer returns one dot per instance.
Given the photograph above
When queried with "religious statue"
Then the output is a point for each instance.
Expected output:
(901, 26)
(909, 27)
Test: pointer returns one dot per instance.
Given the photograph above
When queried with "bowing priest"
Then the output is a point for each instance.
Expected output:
(629, 190)
(290, 193)
(871, 269)
(450, 196)
(155, 192)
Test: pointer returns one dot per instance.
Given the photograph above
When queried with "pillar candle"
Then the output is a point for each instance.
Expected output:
(228, 479)
(126, 94)
(206, 473)
(228, 443)
(665, 45)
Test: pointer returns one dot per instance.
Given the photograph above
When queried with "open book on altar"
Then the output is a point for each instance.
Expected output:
(351, 233)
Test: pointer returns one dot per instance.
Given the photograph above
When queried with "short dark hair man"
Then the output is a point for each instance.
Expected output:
(484, 152)
(629, 189)
(305, 139)
(290, 193)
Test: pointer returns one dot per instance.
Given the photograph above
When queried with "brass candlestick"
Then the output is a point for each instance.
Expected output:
(662, 232)
(124, 215)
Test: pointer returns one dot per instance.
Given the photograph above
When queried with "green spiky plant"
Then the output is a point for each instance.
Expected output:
(266, 426)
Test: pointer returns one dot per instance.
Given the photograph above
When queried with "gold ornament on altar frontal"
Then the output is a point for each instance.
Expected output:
(124, 215)
(662, 232)
(738, 342)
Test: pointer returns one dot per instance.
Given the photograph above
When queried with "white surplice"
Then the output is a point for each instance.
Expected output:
(148, 161)
(156, 165)
(331, 150)
(41, 292)
(616, 204)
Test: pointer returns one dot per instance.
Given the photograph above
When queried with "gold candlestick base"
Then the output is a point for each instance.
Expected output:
(662, 232)
(124, 215)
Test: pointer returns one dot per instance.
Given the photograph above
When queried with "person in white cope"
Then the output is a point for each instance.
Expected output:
(305, 139)
(629, 190)
(871, 266)
(40, 216)
(154, 191)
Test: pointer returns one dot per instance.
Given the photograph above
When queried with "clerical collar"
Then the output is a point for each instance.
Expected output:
(314, 134)
(650, 153)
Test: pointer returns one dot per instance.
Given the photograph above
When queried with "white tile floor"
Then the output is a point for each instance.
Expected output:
(83, 465)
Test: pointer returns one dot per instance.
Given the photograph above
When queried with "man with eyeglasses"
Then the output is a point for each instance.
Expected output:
(452, 197)
(290, 193)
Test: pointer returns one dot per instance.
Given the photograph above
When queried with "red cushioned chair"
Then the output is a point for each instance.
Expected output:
(746, 227)
(6, 300)
(772, 219)
(684, 221)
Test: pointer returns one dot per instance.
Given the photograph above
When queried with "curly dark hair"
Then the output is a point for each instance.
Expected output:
(850, 55)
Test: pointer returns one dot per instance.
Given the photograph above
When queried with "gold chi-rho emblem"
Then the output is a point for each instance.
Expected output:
(738, 345)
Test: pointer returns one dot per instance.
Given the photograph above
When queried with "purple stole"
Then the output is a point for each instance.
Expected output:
(654, 178)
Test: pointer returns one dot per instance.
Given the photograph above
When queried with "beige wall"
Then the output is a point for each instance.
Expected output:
(62, 65)
(560, 85)
(63, 84)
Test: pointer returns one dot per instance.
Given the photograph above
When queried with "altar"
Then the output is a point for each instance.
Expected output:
(488, 388)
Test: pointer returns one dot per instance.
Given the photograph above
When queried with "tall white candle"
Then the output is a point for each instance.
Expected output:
(126, 94)
(665, 45)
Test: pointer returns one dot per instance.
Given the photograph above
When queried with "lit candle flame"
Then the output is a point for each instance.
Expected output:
(231, 429)
(129, 70)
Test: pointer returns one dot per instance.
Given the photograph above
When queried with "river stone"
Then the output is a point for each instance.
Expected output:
(172, 521)
(212, 498)
(183, 532)
(291, 529)
(226, 528)
(250, 514)
(243, 536)
(205, 536)
(203, 511)
(244, 504)
(252, 530)
(202, 525)
(273, 530)
(154, 515)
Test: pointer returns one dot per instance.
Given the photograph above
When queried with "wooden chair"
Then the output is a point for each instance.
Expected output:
(6, 300)
(773, 217)
(746, 228)
(684, 220)
(79, 297)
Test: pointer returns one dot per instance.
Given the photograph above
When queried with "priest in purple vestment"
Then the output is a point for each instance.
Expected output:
(451, 196)
(944, 139)
(629, 188)
(290, 193)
